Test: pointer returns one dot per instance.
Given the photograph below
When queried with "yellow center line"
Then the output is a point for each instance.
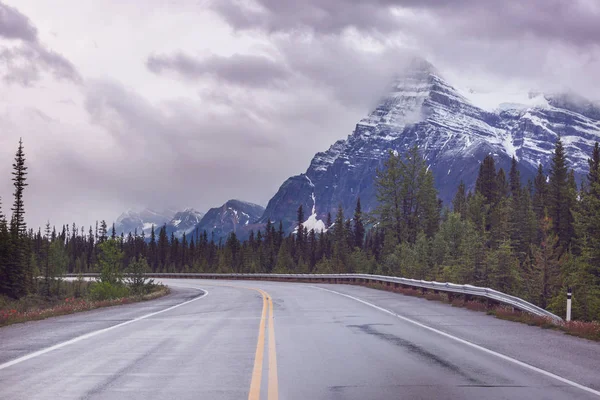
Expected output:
(258, 358)
(267, 314)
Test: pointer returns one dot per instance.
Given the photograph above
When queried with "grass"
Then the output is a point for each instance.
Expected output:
(582, 329)
(72, 298)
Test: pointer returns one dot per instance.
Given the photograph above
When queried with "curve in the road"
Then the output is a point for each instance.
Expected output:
(94, 333)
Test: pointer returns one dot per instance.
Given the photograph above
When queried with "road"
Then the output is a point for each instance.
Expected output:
(269, 340)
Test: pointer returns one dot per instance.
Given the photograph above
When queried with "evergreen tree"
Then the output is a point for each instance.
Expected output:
(340, 243)
(594, 170)
(459, 204)
(103, 231)
(16, 271)
(514, 178)
(559, 197)
(487, 182)
(503, 188)
(540, 197)
(162, 247)
(359, 228)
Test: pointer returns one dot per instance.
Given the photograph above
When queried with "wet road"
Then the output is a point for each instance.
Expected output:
(267, 340)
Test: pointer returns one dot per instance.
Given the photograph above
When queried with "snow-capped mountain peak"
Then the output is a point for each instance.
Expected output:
(452, 131)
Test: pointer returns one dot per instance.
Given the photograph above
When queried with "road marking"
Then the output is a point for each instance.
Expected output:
(267, 315)
(473, 345)
(94, 333)
(258, 358)
(273, 380)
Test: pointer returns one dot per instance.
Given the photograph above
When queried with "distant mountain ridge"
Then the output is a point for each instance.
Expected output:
(233, 216)
(177, 222)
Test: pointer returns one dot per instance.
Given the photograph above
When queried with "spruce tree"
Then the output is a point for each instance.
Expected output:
(514, 177)
(540, 196)
(559, 196)
(487, 182)
(389, 184)
(503, 187)
(593, 177)
(459, 204)
(16, 273)
(4, 253)
(359, 228)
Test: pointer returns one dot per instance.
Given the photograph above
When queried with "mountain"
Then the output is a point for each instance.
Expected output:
(177, 222)
(453, 134)
(184, 222)
(233, 216)
(142, 221)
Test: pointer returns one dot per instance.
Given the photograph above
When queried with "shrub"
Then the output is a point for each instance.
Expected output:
(108, 291)
(137, 280)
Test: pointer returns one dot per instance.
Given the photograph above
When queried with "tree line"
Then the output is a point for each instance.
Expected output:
(531, 240)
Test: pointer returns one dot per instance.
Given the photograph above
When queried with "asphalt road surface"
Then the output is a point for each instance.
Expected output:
(268, 340)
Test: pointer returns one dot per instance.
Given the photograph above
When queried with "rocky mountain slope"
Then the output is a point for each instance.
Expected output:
(453, 135)
(177, 222)
(233, 216)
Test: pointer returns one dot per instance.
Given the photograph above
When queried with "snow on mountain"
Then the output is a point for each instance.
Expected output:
(453, 132)
(184, 222)
(177, 222)
(142, 221)
(233, 216)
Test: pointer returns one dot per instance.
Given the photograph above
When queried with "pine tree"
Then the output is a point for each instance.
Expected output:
(103, 231)
(388, 183)
(594, 170)
(540, 197)
(503, 188)
(17, 225)
(459, 204)
(4, 254)
(545, 273)
(340, 242)
(487, 182)
(300, 237)
(162, 247)
(359, 228)
(514, 178)
(560, 197)
(16, 271)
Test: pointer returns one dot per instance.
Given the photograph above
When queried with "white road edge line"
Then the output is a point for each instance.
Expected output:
(94, 333)
(499, 355)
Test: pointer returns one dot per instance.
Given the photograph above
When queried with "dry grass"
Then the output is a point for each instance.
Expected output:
(587, 330)
(34, 308)
(582, 329)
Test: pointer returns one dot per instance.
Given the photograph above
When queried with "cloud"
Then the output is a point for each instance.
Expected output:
(573, 21)
(24, 64)
(238, 69)
(26, 60)
(324, 16)
(549, 45)
(14, 25)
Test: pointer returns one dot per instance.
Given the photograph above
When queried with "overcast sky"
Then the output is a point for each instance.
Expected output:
(152, 103)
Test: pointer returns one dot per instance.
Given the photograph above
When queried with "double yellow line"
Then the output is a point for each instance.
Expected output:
(267, 315)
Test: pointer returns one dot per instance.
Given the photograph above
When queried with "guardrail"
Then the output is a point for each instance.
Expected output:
(467, 291)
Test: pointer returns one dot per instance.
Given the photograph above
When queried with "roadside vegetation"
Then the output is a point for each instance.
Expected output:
(51, 295)
(583, 329)
(532, 240)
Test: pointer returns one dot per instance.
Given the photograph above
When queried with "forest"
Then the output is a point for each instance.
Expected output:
(531, 239)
